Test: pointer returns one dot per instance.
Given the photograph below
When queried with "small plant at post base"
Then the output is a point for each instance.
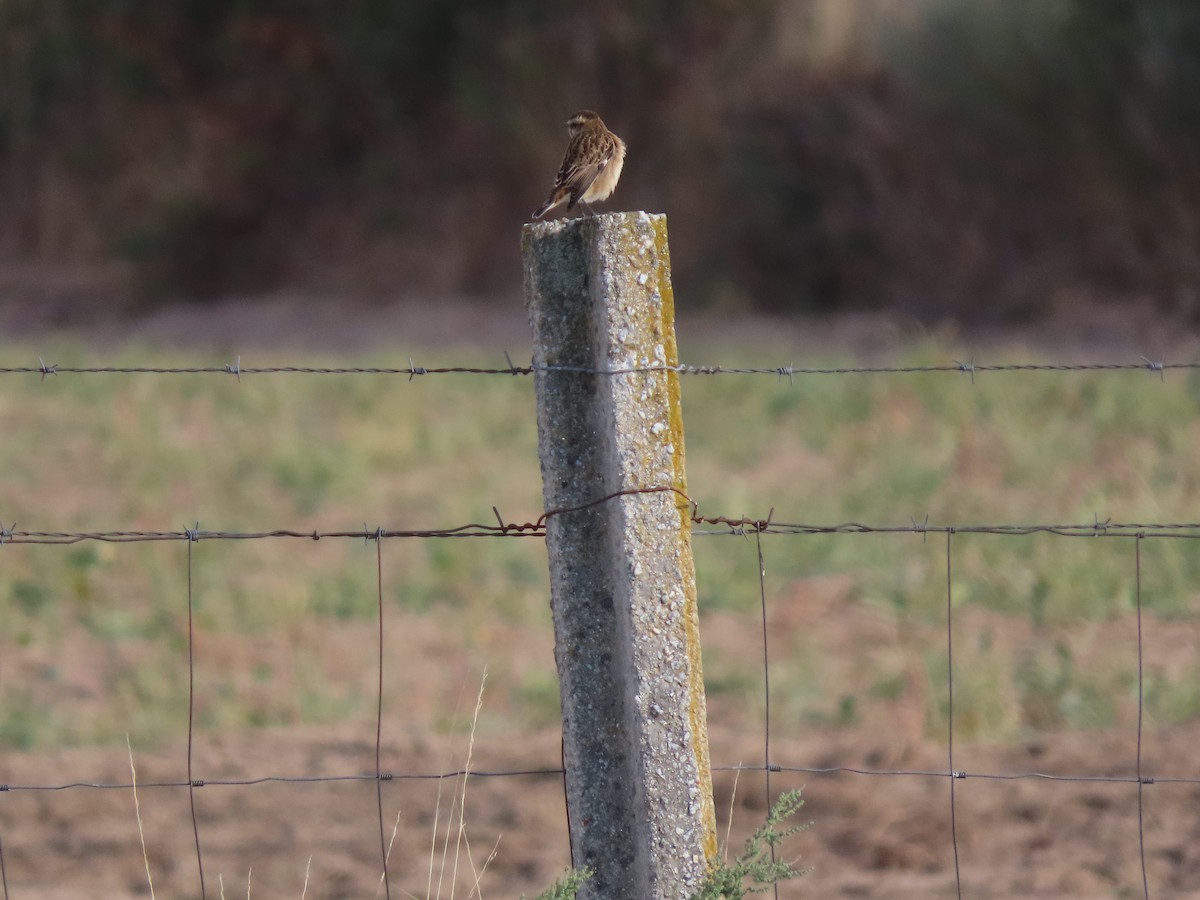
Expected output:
(726, 881)
(566, 887)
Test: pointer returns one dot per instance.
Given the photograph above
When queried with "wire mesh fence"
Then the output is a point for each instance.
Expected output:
(780, 755)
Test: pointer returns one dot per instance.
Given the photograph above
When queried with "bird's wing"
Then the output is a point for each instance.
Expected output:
(576, 179)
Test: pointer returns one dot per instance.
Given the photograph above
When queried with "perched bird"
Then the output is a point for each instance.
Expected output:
(591, 167)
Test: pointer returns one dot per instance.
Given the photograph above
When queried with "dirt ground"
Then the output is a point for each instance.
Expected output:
(872, 835)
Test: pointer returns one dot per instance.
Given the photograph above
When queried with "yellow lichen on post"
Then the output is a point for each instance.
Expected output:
(698, 710)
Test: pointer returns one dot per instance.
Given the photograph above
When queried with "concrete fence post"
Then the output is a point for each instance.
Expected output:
(622, 581)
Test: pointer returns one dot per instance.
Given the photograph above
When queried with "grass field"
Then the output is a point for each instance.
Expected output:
(96, 630)
(286, 634)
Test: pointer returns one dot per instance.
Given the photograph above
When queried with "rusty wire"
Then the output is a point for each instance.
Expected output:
(788, 371)
(731, 526)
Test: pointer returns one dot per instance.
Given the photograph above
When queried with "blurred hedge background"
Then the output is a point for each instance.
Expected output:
(985, 160)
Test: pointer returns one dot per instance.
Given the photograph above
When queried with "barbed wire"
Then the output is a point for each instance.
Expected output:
(733, 527)
(789, 371)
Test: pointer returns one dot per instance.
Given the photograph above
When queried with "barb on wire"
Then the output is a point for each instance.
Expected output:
(921, 528)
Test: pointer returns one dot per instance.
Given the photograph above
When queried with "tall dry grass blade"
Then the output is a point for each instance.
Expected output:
(307, 869)
(436, 816)
(387, 856)
(461, 839)
(732, 797)
(137, 811)
(475, 890)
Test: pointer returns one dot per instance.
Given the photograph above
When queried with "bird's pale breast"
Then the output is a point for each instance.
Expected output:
(606, 181)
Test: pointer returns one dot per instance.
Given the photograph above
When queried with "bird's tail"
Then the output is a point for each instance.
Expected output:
(556, 197)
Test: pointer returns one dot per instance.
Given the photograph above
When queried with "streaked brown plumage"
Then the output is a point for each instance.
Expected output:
(591, 167)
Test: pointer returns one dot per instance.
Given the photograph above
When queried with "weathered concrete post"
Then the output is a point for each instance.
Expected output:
(622, 582)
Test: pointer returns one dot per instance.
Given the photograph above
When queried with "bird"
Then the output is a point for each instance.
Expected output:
(591, 167)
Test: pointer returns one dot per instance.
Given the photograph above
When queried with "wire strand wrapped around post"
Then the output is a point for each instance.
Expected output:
(635, 741)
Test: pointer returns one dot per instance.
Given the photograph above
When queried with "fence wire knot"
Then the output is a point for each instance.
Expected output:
(192, 534)
(957, 773)
(1146, 779)
(235, 369)
(196, 782)
(51, 369)
(6, 533)
(414, 370)
(967, 368)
